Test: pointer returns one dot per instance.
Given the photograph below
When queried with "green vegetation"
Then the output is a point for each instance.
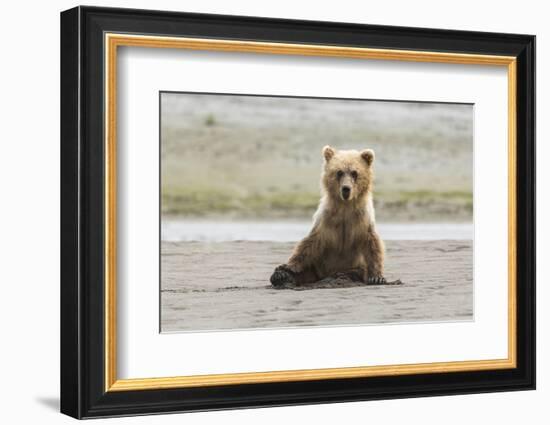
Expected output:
(390, 206)
(210, 120)
(216, 203)
(423, 205)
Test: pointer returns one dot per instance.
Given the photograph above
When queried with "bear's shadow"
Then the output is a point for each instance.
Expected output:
(333, 282)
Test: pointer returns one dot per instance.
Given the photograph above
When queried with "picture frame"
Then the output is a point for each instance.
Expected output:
(90, 40)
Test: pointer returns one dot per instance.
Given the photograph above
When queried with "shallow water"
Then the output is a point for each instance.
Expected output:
(289, 231)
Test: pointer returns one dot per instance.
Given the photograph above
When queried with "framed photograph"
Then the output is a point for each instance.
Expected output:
(260, 212)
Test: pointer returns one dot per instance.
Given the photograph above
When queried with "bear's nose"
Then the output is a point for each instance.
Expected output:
(346, 191)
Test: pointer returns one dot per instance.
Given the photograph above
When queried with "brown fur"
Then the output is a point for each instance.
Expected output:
(343, 238)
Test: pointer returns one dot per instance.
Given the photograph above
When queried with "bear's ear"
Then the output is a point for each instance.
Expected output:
(368, 156)
(328, 153)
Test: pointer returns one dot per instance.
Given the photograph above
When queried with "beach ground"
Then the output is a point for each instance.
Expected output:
(225, 285)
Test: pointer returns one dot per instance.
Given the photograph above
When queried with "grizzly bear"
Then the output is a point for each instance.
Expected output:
(343, 240)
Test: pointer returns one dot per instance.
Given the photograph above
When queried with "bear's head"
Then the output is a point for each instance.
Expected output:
(347, 174)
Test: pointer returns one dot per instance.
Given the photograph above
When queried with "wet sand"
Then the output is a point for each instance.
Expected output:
(225, 285)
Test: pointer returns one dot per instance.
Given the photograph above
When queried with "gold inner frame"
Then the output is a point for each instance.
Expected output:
(113, 41)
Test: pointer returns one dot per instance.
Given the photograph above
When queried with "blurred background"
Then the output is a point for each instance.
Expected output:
(248, 160)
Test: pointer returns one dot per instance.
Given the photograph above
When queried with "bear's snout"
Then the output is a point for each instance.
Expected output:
(346, 192)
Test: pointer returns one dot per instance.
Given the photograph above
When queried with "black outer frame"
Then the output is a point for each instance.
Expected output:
(82, 217)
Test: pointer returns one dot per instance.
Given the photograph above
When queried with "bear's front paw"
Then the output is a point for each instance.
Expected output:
(376, 280)
(292, 267)
(281, 276)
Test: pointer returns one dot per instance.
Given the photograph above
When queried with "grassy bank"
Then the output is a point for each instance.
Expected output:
(418, 205)
(261, 157)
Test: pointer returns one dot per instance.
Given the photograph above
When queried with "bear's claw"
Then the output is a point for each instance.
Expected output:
(281, 276)
(376, 280)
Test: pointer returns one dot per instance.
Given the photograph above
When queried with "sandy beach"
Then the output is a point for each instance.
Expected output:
(225, 285)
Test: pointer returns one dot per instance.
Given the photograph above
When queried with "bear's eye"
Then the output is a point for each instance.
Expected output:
(354, 175)
(340, 174)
